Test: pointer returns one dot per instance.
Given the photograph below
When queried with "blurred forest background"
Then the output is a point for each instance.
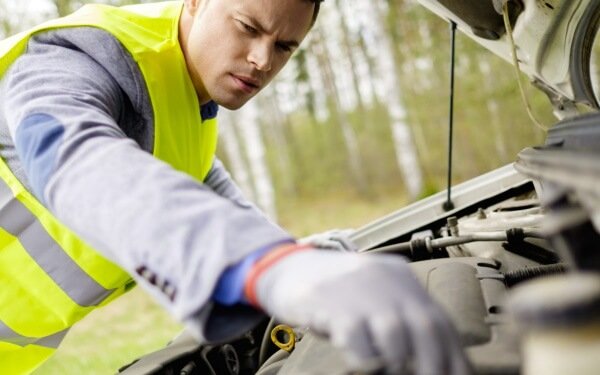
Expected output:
(354, 127)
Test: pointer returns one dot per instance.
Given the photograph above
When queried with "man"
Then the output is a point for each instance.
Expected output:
(108, 136)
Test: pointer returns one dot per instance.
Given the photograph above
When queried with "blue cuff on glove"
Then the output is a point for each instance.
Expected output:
(230, 287)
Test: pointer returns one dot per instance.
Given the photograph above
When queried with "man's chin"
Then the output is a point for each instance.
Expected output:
(231, 99)
(231, 106)
(232, 103)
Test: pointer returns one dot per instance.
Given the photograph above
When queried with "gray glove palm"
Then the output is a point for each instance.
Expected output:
(371, 307)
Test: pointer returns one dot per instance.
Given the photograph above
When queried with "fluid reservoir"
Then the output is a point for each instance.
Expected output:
(560, 320)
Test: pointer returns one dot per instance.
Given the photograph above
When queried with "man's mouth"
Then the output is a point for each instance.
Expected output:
(245, 83)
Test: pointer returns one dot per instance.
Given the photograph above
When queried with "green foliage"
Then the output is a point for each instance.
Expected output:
(490, 121)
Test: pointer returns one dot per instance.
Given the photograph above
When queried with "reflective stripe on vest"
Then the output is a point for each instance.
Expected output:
(19, 222)
(10, 336)
(50, 278)
(46, 277)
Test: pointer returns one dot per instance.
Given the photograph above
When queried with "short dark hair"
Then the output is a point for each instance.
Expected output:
(316, 11)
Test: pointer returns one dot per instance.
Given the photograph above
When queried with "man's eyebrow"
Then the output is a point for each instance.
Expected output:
(257, 25)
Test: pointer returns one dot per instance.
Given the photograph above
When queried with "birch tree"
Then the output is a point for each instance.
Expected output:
(494, 111)
(342, 8)
(319, 50)
(246, 124)
(318, 96)
(277, 127)
(229, 139)
(406, 155)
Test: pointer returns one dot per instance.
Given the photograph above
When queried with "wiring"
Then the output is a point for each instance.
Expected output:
(514, 277)
(517, 69)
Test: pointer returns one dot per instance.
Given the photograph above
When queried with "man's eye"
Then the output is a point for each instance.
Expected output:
(249, 29)
(284, 47)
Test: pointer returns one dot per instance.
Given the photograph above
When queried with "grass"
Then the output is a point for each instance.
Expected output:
(133, 325)
(113, 336)
(341, 209)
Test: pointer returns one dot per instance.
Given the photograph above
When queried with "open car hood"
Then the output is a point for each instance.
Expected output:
(554, 40)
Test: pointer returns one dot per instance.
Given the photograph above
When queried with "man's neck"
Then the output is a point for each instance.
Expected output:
(186, 20)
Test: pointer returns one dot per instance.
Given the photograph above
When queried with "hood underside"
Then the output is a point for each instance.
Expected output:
(554, 40)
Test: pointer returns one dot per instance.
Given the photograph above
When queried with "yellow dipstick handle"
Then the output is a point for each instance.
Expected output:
(289, 337)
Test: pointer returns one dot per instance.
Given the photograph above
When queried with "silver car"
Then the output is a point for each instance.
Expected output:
(513, 256)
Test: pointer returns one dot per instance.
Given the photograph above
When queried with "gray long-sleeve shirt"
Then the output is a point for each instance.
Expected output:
(76, 128)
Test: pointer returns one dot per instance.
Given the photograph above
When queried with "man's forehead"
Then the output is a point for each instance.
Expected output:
(293, 16)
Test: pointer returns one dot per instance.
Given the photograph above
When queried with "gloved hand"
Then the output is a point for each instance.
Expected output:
(335, 239)
(371, 307)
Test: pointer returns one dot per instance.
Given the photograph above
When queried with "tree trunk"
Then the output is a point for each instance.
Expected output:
(406, 155)
(261, 179)
(350, 142)
(276, 123)
(229, 138)
(493, 110)
(348, 50)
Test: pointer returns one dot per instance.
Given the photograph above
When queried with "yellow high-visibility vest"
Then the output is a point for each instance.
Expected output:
(49, 277)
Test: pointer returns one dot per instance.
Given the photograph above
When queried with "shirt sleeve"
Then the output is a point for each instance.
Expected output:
(220, 181)
(229, 289)
(62, 109)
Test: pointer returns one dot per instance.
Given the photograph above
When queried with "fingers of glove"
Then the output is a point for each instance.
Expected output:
(344, 244)
(429, 347)
(343, 237)
(459, 364)
(328, 243)
(336, 239)
(390, 338)
(320, 242)
(353, 338)
(450, 344)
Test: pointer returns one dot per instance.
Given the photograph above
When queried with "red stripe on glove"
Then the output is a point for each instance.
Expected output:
(263, 264)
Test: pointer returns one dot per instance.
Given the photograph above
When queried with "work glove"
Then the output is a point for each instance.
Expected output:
(369, 306)
(335, 239)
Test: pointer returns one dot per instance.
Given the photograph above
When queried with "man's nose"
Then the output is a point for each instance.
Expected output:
(261, 56)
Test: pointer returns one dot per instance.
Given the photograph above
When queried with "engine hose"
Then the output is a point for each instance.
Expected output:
(265, 345)
(423, 247)
(514, 277)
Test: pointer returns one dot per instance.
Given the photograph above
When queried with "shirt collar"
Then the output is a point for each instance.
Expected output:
(209, 110)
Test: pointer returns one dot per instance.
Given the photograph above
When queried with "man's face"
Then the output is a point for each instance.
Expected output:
(235, 47)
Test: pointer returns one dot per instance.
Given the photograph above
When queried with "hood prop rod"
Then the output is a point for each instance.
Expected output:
(448, 205)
